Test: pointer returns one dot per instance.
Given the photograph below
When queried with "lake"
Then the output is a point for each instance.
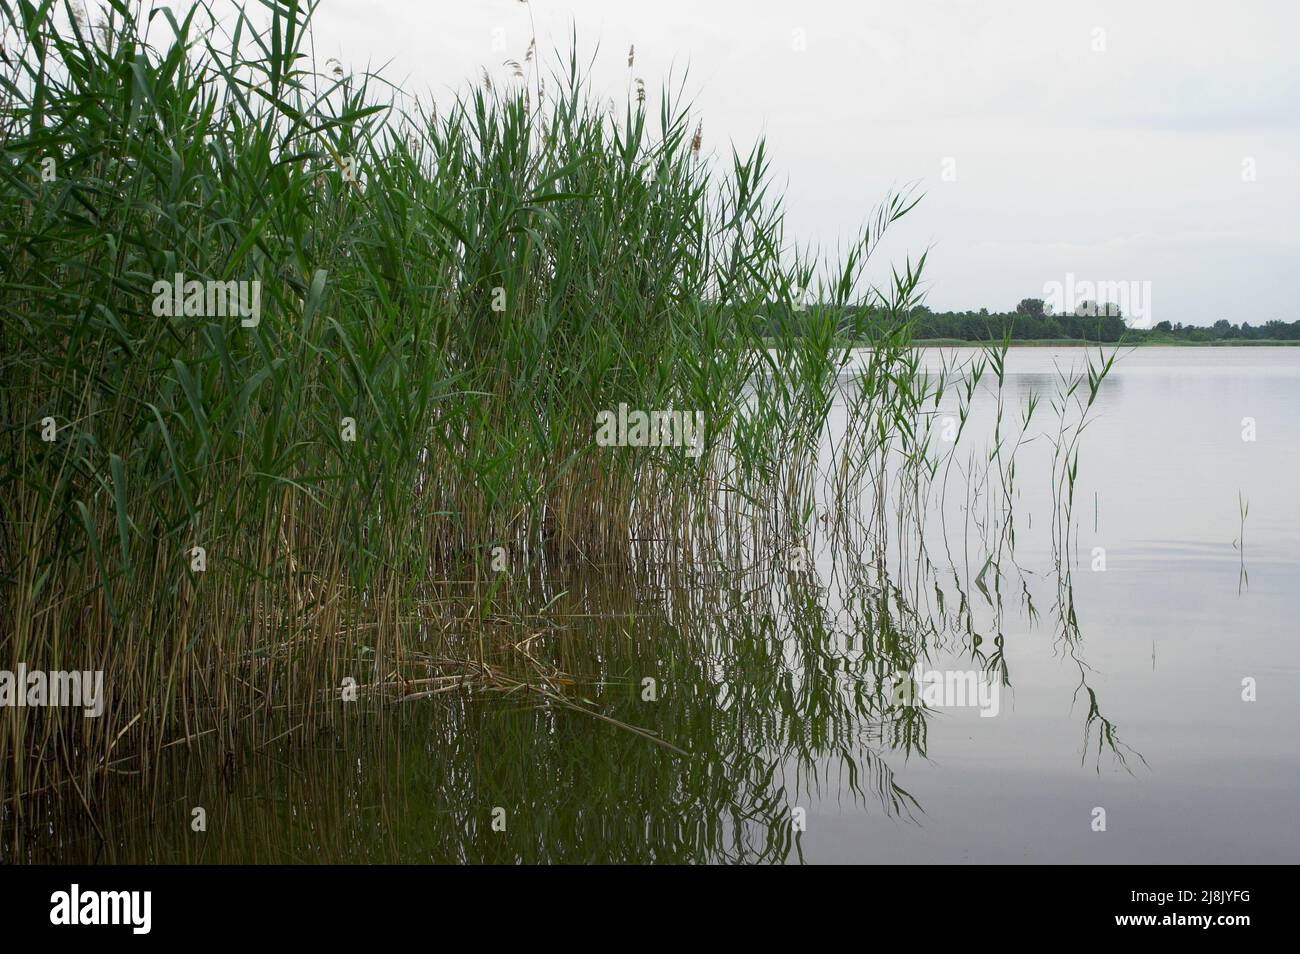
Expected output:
(750, 712)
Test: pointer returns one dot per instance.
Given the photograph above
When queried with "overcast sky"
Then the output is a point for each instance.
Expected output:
(1112, 140)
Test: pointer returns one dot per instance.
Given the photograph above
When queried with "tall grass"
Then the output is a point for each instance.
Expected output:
(470, 284)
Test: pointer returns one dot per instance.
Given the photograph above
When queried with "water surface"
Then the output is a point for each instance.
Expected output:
(776, 738)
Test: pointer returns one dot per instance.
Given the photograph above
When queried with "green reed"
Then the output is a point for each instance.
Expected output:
(449, 294)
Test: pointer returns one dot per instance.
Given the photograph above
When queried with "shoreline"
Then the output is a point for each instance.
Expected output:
(1080, 343)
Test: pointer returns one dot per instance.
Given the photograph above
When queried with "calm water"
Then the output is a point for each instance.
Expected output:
(1119, 689)
(1168, 632)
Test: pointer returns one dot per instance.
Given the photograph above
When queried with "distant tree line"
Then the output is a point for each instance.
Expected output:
(1032, 321)
(1029, 321)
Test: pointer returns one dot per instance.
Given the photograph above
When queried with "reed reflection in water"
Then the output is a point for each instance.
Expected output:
(678, 710)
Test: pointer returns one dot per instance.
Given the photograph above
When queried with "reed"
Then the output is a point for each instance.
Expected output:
(448, 296)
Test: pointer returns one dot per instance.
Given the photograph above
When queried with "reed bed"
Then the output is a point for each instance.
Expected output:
(449, 297)
(229, 518)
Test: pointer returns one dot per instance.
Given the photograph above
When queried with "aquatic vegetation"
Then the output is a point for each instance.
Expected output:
(304, 389)
(223, 510)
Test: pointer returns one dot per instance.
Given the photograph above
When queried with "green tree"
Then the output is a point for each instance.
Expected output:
(1033, 307)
